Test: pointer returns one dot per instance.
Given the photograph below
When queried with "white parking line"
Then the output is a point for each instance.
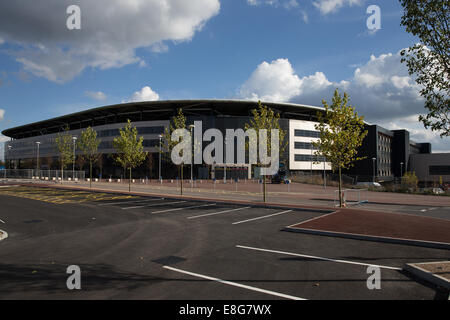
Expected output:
(126, 202)
(216, 213)
(153, 205)
(319, 258)
(234, 284)
(184, 208)
(264, 217)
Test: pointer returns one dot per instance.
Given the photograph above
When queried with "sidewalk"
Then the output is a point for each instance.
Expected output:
(296, 194)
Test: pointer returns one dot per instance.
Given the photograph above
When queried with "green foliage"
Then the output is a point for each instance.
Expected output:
(410, 180)
(64, 142)
(266, 118)
(429, 60)
(88, 144)
(177, 122)
(341, 134)
(129, 147)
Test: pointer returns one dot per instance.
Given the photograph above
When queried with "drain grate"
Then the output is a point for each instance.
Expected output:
(170, 260)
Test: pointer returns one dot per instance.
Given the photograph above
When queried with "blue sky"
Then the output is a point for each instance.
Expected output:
(285, 50)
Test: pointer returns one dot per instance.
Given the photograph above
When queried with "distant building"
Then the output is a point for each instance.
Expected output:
(389, 148)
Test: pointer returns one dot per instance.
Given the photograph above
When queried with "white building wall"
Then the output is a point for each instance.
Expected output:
(303, 165)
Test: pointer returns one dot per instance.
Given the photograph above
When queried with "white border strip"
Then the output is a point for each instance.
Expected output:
(234, 284)
(319, 258)
(313, 219)
(184, 208)
(126, 202)
(153, 205)
(216, 213)
(264, 217)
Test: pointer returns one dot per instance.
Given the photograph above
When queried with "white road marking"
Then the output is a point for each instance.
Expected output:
(264, 217)
(319, 258)
(126, 202)
(184, 208)
(216, 213)
(153, 205)
(234, 284)
(2, 221)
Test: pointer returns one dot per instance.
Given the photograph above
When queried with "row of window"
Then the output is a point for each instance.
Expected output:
(304, 146)
(307, 133)
(141, 130)
(439, 170)
(147, 144)
(309, 158)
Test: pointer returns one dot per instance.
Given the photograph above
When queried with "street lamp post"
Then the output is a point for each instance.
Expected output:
(74, 158)
(401, 171)
(160, 141)
(373, 165)
(37, 158)
(191, 127)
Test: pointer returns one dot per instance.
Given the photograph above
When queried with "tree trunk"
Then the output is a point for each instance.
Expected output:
(129, 182)
(182, 176)
(90, 174)
(340, 187)
(264, 188)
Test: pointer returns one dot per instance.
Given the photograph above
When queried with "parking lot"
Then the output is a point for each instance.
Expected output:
(134, 247)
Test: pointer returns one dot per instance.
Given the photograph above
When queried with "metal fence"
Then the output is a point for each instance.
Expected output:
(47, 175)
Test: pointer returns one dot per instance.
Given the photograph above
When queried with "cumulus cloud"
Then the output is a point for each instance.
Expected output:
(145, 94)
(331, 6)
(274, 81)
(96, 95)
(381, 90)
(111, 31)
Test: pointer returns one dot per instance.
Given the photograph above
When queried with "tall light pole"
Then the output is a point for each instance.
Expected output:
(401, 171)
(160, 142)
(37, 158)
(225, 161)
(373, 165)
(191, 127)
(74, 158)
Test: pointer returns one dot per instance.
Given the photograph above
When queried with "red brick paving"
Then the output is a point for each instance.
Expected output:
(370, 223)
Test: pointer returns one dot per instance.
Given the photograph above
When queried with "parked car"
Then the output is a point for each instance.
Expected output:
(368, 184)
(280, 177)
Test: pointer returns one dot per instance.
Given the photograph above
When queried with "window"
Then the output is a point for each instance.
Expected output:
(308, 158)
(304, 146)
(307, 133)
(439, 170)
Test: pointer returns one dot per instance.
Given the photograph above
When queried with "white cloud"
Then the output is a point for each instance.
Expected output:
(96, 95)
(381, 90)
(111, 31)
(331, 6)
(2, 114)
(145, 94)
(275, 81)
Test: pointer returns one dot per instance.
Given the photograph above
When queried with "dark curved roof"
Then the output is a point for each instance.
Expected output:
(156, 110)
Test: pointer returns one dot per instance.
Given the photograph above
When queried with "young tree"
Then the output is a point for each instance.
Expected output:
(129, 148)
(430, 59)
(266, 118)
(88, 144)
(64, 142)
(177, 122)
(341, 134)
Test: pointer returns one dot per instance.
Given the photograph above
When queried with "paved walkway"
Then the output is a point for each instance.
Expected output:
(380, 224)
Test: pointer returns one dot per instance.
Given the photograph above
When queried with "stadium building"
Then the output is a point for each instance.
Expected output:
(388, 153)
